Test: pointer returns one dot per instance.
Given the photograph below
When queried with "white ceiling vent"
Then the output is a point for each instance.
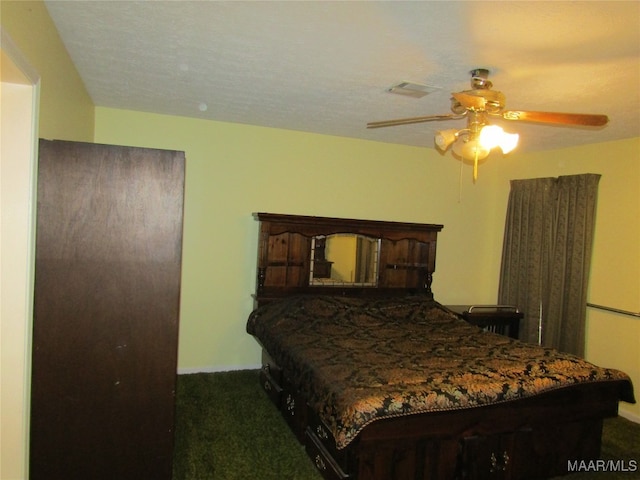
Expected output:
(411, 89)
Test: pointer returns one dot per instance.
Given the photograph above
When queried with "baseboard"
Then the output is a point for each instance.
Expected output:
(629, 416)
(227, 368)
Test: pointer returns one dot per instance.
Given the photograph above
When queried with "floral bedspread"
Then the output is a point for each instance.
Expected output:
(360, 360)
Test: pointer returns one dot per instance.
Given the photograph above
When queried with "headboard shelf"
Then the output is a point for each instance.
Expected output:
(376, 257)
(312, 226)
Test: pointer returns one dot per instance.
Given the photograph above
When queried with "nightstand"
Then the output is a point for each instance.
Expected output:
(502, 319)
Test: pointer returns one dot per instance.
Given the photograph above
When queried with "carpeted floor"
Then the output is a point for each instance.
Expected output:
(226, 429)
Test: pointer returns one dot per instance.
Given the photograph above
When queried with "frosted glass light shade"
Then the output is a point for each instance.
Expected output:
(444, 138)
(471, 149)
(509, 142)
(492, 136)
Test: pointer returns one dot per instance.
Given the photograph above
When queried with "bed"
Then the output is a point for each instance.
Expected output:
(380, 381)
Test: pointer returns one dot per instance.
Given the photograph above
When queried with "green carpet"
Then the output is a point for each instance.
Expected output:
(226, 429)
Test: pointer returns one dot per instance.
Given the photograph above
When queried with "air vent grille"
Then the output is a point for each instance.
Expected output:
(411, 89)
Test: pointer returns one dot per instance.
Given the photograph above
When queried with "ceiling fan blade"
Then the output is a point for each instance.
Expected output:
(470, 101)
(408, 121)
(559, 118)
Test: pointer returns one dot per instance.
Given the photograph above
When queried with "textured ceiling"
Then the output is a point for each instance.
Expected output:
(324, 67)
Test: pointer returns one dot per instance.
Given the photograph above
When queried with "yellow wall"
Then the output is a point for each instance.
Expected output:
(234, 170)
(66, 110)
(341, 250)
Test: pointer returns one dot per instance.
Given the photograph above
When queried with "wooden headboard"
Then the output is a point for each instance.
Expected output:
(291, 259)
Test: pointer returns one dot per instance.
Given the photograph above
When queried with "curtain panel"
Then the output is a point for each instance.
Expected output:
(546, 257)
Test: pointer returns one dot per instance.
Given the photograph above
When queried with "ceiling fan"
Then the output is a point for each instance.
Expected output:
(477, 105)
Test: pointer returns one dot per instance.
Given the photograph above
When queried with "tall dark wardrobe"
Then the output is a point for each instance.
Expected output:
(107, 299)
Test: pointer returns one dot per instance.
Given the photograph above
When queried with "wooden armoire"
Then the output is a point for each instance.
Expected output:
(107, 299)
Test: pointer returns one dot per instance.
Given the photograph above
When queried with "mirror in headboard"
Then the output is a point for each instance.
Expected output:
(344, 259)
(338, 256)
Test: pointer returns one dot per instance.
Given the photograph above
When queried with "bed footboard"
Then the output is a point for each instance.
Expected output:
(531, 438)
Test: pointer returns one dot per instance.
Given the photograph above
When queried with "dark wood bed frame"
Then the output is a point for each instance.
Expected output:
(536, 437)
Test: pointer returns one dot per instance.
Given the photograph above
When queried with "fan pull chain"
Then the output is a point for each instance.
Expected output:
(475, 166)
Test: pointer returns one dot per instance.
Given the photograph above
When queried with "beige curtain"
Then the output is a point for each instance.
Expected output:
(546, 257)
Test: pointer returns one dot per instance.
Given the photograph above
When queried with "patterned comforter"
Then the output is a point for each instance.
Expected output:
(360, 360)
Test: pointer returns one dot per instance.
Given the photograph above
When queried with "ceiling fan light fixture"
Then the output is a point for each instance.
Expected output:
(470, 148)
(474, 143)
(509, 142)
(445, 138)
(492, 136)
